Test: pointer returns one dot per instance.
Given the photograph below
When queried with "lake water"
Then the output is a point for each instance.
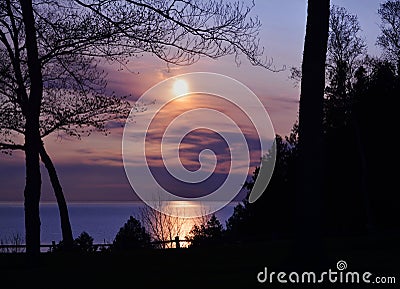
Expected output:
(101, 221)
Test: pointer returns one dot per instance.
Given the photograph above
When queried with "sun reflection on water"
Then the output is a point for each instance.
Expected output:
(165, 227)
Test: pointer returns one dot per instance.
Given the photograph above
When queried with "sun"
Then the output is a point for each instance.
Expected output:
(180, 87)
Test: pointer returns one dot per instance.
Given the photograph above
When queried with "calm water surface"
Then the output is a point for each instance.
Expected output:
(101, 221)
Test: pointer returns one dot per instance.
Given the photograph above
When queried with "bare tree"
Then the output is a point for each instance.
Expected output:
(346, 48)
(73, 102)
(163, 223)
(389, 39)
(48, 47)
(345, 59)
(12, 244)
(344, 51)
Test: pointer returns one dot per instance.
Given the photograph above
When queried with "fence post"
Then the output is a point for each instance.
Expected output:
(177, 244)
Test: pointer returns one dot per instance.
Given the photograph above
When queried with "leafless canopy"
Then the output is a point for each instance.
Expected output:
(389, 39)
(345, 45)
(162, 227)
(76, 37)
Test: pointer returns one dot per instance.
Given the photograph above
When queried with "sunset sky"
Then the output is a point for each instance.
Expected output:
(91, 169)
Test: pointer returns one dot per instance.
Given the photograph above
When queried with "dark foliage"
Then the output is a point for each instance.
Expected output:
(209, 234)
(82, 244)
(272, 215)
(357, 195)
(131, 236)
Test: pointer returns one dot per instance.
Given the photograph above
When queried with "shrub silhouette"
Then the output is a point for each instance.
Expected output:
(210, 233)
(84, 243)
(132, 236)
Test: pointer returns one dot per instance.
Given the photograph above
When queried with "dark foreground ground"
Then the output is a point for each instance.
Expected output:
(223, 267)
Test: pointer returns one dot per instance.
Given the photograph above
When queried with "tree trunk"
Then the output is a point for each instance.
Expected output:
(62, 205)
(32, 191)
(34, 147)
(310, 170)
(32, 134)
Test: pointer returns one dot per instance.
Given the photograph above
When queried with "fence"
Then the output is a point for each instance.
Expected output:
(20, 248)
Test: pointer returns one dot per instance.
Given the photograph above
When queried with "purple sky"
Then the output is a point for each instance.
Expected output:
(91, 169)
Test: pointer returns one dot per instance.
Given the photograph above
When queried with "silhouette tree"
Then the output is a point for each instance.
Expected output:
(271, 216)
(346, 52)
(46, 50)
(378, 79)
(348, 193)
(351, 101)
(131, 236)
(73, 102)
(238, 225)
(208, 234)
(162, 222)
(389, 39)
(31, 109)
(310, 141)
(84, 243)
